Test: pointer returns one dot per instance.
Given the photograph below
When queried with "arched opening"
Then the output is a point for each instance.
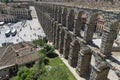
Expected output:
(52, 11)
(61, 44)
(71, 18)
(55, 13)
(94, 29)
(96, 24)
(114, 76)
(64, 15)
(67, 42)
(116, 44)
(59, 14)
(99, 26)
(80, 24)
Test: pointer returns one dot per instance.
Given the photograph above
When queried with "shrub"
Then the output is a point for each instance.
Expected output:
(49, 49)
(40, 42)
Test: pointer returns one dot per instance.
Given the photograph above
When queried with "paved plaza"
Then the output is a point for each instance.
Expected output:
(27, 30)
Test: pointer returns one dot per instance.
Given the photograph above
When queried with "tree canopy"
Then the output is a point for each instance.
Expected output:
(4, 1)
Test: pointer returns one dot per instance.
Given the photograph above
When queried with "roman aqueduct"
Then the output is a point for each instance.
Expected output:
(72, 29)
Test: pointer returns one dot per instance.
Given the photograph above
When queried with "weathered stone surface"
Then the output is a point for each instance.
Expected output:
(100, 72)
(54, 31)
(61, 39)
(84, 58)
(109, 35)
(67, 42)
(57, 36)
(51, 14)
(74, 50)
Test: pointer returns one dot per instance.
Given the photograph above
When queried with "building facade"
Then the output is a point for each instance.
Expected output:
(12, 56)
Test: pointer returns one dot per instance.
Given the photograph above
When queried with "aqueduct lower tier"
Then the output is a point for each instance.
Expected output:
(72, 29)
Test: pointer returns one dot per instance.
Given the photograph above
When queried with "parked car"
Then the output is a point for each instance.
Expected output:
(7, 33)
(13, 32)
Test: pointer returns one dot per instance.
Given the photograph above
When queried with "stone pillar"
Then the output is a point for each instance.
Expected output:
(55, 13)
(52, 11)
(100, 72)
(54, 31)
(51, 30)
(57, 36)
(61, 39)
(63, 18)
(52, 24)
(46, 28)
(77, 28)
(84, 58)
(67, 41)
(59, 15)
(89, 29)
(107, 41)
(74, 50)
(70, 23)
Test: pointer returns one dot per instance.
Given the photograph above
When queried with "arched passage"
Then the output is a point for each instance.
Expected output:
(92, 28)
(116, 44)
(64, 15)
(52, 11)
(74, 51)
(59, 14)
(61, 43)
(99, 26)
(67, 42)
(80, 23)
(71, 18)
(55, 12)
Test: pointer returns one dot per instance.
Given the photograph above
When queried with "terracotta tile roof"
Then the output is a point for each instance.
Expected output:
(27, 58)
(8, 57)
(18, 54)
(2, 49)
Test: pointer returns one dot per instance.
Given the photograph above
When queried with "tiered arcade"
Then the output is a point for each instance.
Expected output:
(72, 28)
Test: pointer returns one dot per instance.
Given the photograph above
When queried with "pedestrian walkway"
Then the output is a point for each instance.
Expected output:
(27, 30)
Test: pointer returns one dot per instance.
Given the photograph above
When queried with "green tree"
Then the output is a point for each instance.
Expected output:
(4, 1)
(40, 42)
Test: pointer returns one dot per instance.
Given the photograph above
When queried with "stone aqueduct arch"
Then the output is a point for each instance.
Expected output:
(59, 14)
(73, 52)
(70, 20)
(79, 22)
(67, 41)
(65, 26)
(61, 39)
(64, 14)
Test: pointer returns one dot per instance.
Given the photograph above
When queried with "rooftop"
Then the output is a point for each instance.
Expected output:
(20, 53)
